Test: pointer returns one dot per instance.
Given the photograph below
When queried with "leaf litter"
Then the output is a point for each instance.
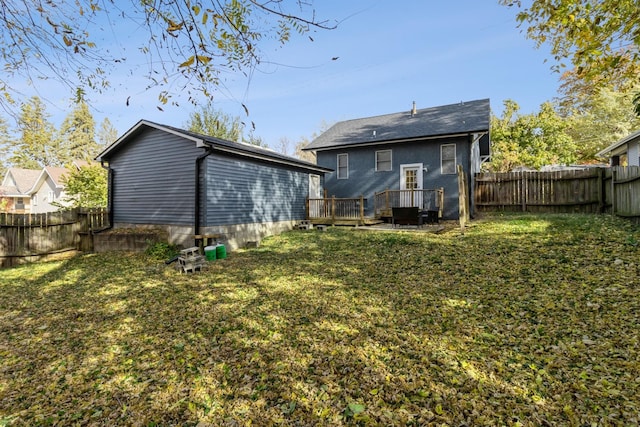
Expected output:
(525, 320)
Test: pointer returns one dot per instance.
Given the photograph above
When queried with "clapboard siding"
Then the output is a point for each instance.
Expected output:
(247, 191)
(154, 179)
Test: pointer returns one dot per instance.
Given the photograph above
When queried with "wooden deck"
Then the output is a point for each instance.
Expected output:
(351, 211)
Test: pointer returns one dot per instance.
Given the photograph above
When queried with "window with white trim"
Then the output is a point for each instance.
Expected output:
(52, 196)
(383, 160)
(448, 159)
(34, 200)
(343, 166)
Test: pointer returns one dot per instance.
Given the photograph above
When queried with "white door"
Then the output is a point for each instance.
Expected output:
(411, 185)
(316, 206)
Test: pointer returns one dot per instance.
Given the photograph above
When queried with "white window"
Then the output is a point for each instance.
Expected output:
(448, 159)
(383, 160)
(52, 196)
(34, 200)
(343, 166)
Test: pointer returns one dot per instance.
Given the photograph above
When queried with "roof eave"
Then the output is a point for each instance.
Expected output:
(244, 153)
(395, 141)
(145, 123)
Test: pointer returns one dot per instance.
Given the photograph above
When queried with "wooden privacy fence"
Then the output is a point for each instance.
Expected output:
(29, 237)
(623, 192)
(594, 190)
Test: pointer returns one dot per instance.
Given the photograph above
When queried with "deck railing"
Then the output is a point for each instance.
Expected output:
(425, 200)
(333, 209)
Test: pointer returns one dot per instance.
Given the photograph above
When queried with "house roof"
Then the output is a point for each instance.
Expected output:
(613, 147)
(216, 144)
(27, 181)
(56, 174)
(24, 179)
(446, 120)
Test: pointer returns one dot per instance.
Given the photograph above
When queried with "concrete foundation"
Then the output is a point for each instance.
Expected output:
(234, 236)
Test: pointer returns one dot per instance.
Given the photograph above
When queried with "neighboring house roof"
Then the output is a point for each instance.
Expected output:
(55, 173)
(20, 182)
(23, 180)
(217, 144)
(447, 120)
(613, 147)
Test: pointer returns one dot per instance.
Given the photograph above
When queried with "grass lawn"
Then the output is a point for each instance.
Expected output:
(521, 321)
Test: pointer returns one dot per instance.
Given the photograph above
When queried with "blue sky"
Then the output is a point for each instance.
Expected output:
(389, 55)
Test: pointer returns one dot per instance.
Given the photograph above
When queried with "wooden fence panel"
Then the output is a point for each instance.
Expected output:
(33, 236)
(558, 191)
(625, 191)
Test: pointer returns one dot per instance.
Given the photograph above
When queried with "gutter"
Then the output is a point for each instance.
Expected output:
(196, 215)
(110, 173)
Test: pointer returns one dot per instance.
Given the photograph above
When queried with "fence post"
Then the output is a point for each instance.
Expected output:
(523, 191)
(361, 209)
(333, 209)
(307, 207)
(614, 177)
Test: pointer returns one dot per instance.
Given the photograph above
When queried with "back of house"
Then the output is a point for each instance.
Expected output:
(418, 149)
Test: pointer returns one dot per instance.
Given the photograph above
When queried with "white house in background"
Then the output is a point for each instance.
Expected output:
(625, 152)
(34, 191)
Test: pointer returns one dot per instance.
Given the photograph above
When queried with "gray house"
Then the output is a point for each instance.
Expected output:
(405, 156)
(191, 184)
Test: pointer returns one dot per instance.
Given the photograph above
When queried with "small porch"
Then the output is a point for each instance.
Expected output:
(351, 211)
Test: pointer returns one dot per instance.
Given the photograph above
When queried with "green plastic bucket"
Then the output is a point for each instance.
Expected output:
(221, 251)
(210, 253)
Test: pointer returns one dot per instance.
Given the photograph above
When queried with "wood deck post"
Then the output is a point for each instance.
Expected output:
(362, 209)
(333, 209)
(307, 207)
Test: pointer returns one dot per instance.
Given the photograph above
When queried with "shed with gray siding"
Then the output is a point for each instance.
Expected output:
(188, 184)
(416, 149)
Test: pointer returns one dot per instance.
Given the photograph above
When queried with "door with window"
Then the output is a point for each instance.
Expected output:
(411, 185)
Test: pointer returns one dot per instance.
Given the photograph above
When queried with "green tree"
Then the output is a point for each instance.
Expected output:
(37, 146)
(77, 134)
(86, 187)
(531, 140)
(107, 134)
(600, 39)
(212, 122)
(596, 116)
(5, 143)
(209, 121)
(186, 44)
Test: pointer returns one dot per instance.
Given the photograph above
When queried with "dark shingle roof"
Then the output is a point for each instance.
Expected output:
(460, 118)
(237, 148)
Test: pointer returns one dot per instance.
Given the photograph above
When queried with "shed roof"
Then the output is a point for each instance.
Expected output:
(217, 144)
(610, 149)
(461, 118)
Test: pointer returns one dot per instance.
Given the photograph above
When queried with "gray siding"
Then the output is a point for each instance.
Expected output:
(365, 180)
(154, 179)
(242, 191)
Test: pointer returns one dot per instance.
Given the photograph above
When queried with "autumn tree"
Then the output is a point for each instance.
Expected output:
(187, 45)
(212, 122)
(531, 140)
(107, 134)
(599, 39)
(596, 116)
(5, 143)
(78, 135)
(37, 145)
(86, 187)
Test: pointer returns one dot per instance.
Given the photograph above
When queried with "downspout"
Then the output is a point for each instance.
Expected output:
(110, 173)
(199, 160)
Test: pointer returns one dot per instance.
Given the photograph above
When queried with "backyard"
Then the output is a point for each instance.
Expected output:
(520, 321)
